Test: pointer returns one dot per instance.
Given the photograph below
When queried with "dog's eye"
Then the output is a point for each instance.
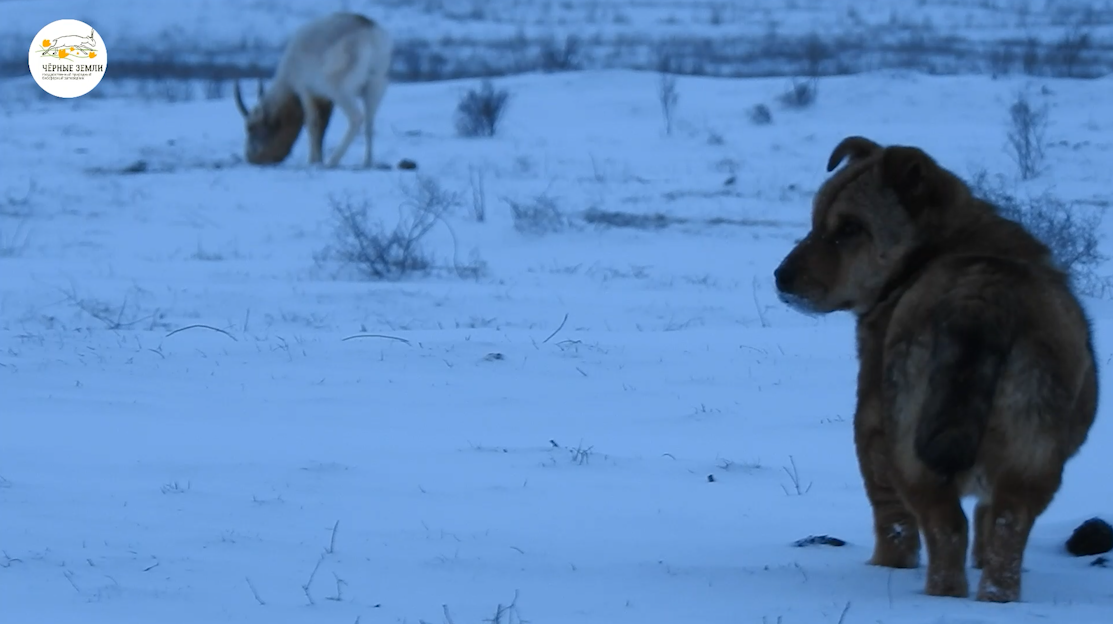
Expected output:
(848, 228)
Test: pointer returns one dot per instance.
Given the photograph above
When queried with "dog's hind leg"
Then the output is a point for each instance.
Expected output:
(983, 528)
(1017, 502)
(896, 532)
(970, 344)
(946, 534)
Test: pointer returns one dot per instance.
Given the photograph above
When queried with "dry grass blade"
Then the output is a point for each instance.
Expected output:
(557, 330)
(209, 327)
(383, 336)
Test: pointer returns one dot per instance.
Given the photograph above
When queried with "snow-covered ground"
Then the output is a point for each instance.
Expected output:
(610, 424)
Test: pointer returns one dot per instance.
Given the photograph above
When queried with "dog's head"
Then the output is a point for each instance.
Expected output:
(866, 220)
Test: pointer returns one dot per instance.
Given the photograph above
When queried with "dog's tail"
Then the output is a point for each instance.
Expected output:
(971, 347)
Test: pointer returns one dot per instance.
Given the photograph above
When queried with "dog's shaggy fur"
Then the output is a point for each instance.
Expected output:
(977, 373)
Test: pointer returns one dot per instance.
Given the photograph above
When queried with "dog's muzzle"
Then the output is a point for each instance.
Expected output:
(787, 283)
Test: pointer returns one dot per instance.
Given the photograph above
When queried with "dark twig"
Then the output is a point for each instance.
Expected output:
(255, 593)
(312, 575)
(557, 330)
(69, 577)
(332, 540)
(377, 336)
(757, 305)
(215, 329)
(340, 583)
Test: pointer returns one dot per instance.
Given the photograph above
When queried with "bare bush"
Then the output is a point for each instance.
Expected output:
(425, 195)
(668, 98)
(1030, 56)
(14, 239)
(802, 94)
(1067, 228)
(541, 215)
(1001, 59)
(564, 56)
(167, 90)
(715, 18)
(19, 203)
(380, 254)
(214, 89)
(760, 115)
(619, 219)
(816, 52)
(1026, 135)
(1067, 54)
(479, 111)
(373, 252)
(129, 314)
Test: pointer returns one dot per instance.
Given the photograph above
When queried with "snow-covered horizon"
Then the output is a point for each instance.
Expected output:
(440, 39)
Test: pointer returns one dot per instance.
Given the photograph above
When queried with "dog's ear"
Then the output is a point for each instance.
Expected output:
(904, 168)
(856, 147)
(915, 177)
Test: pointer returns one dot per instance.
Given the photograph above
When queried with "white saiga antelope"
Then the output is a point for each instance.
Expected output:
(342, 59)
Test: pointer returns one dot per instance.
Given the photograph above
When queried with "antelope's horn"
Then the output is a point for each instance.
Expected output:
(238, 96)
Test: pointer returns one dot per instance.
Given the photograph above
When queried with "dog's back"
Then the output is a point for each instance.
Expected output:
(1008, 350)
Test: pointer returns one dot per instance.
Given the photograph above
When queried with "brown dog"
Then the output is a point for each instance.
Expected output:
(977, 374)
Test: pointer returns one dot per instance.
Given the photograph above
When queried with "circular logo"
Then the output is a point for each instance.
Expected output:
(67, 58)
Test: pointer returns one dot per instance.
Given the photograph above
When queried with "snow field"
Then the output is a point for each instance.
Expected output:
(263, 468)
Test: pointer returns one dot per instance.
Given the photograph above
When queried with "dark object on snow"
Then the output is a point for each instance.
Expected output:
(407, 164)
(1100, 562)
(139, 166)
(710, 478)
(1092, 537)
(819, 540)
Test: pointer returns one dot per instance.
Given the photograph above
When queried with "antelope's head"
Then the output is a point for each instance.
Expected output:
(272, 126)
